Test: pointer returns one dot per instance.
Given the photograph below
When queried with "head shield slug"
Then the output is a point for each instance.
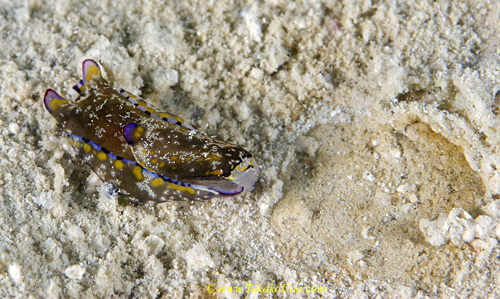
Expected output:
(148, 155)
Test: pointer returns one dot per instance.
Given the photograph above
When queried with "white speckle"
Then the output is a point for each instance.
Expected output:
(252, 22)
(412, 197)
(335, 112)
(242, 111)
(403, 188)
(256, 73)
(365, 234)
(368, 176)
(14, 128)
(155, 244)
(15, 272)
(75, 272)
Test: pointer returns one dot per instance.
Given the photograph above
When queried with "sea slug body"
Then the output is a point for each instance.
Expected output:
(147, 155)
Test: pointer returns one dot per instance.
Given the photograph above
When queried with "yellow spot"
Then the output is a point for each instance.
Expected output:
(187, 159)
(154, 161)
(217, 172)
(214, 158)
(157, 182)
(138, 173)
(161, 164)
(86, 148)
(152, 153)
(101, 156)
(144, 151)
(54, 104)
(200, 159)
(118, 164)
(150, 109)
(77, 143)
(142, 104)
(71, 141)
(142, 164)
(94, 152)
(93, 72)
(137, 132)
(207, 172)
(174, 158)
(181, 188)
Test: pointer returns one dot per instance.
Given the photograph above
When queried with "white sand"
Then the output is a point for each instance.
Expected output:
(374, 126)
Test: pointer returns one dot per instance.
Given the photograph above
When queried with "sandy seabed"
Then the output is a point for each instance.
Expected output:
(375, 124)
